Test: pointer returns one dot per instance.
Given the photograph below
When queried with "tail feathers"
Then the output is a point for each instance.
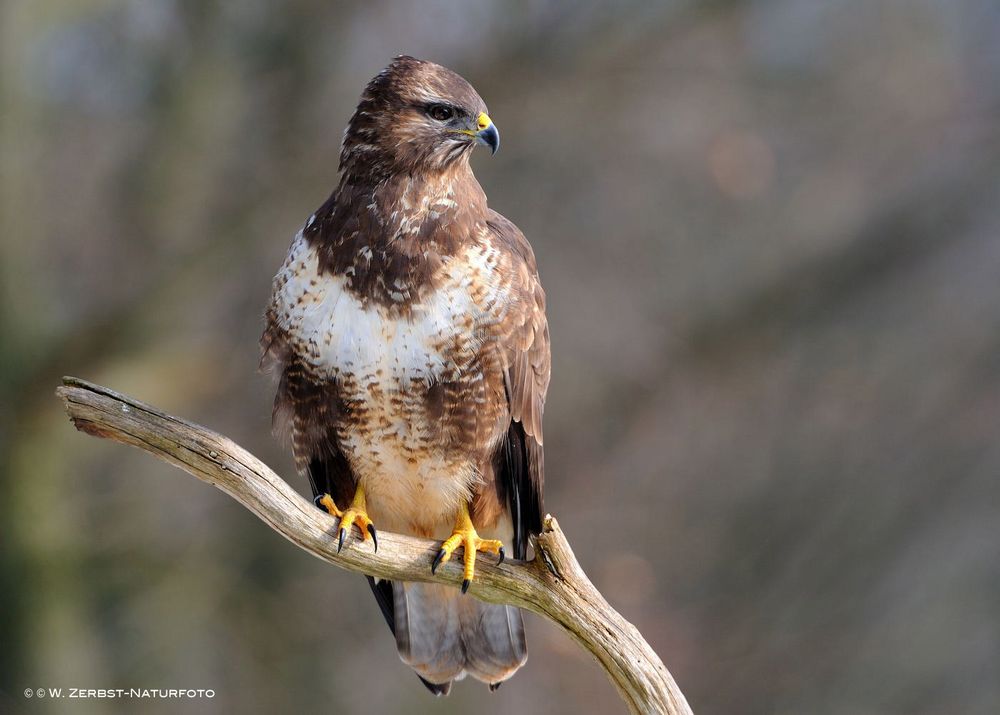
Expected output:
(428, 631)
(444, 635)
(383, 591)
(494, 641)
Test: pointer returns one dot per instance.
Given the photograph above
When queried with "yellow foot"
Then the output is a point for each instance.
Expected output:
(465, 536)
(356, 514)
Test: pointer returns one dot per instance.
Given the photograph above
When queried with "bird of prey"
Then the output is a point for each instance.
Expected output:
(408, 328)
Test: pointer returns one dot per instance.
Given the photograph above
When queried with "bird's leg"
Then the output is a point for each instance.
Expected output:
(357, 513)
(465, 536)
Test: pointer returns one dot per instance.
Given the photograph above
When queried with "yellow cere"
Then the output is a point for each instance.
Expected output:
(483, 121)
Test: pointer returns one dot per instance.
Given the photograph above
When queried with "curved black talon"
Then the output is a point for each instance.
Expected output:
(437, 561)
(317, 499)
(499, 561)
(465, 585)
(495, 686)
(340, 543)
(371, 530)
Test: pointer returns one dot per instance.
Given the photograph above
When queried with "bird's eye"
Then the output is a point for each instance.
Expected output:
(440, 112)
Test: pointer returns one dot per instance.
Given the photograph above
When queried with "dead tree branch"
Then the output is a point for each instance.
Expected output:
(552, 585)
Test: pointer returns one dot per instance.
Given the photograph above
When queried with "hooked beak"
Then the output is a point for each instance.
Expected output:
(487, 134)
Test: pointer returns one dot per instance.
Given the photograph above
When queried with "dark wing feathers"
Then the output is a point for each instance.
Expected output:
(382, 590)
(517, 485)
(332, 475)
(526, 359)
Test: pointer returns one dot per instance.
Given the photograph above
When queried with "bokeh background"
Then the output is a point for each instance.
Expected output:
(770, 237)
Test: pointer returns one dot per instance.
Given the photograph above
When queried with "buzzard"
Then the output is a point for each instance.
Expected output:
(408, 327)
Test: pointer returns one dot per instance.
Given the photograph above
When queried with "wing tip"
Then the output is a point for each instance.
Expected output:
(439, 689)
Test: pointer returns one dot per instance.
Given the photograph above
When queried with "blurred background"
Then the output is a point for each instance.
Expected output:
(770, 237)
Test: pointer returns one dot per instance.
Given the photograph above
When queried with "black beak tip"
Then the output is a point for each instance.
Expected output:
(491, 138)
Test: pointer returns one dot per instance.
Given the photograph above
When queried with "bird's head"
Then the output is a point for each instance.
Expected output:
(416, 116)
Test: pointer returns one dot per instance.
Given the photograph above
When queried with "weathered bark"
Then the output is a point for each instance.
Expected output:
(552, 585)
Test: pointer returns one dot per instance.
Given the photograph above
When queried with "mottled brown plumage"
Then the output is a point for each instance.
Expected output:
(408, 328)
